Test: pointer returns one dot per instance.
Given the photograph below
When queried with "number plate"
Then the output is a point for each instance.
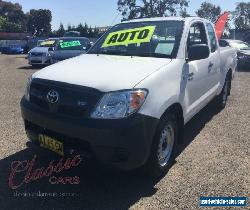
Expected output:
(51, 144)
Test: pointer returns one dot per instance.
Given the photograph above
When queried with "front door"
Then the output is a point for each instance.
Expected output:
(195, 72)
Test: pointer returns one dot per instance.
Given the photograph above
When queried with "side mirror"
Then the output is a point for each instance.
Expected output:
(198, 52)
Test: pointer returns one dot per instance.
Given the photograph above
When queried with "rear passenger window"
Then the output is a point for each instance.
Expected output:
(212, 37)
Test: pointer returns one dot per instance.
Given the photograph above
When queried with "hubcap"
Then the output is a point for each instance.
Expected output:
(166, 145)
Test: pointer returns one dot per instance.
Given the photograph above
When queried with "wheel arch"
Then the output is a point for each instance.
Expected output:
(177, 110)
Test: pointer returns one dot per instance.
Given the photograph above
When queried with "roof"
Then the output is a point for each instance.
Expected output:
(74, 37)
(172, 18)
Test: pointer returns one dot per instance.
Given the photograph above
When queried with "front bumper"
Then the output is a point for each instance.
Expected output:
(39, 60)
(123, 143)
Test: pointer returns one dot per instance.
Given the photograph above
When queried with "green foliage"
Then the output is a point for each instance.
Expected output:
(2, 22)
(242, 16)
(15, 19)
(184, 13)
(39, 22)
(61, 30)
(85, 30)
(209, 11)
(131, 9)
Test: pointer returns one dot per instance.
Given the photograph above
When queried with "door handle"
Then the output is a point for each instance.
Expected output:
(210, 66)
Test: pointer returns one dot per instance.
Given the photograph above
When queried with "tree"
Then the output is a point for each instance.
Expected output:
(184, 13)
(2, 23)
(14, 16)
(90, 32)
(150, 8)
(80, 28)
(209, 11)
(69, 28)
(86, 29)
(242, 16)
(39, 22)
(96, 32)
(61, 30)
(7, 26)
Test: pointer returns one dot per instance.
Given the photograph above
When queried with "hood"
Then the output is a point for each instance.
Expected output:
(65, 54)
(103, 72)
(40, 49)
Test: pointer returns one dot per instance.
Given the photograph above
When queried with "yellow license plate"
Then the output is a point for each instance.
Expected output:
(51, 144)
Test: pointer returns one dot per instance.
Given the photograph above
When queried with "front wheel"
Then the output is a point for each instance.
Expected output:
(163, 147)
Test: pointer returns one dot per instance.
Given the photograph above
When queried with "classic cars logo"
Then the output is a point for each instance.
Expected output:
(22, 172)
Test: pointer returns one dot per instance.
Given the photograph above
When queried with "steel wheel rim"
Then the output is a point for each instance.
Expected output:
(166, 145)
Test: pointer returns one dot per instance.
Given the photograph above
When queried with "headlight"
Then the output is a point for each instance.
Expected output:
(27, 92)
(119, 104)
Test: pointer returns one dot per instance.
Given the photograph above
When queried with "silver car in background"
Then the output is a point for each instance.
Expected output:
(243, 50)
(69, 47)
(41, 55)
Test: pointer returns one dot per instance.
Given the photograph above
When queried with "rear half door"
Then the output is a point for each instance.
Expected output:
(213, 68)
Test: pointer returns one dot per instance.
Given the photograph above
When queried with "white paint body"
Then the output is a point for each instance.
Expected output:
(165, 79)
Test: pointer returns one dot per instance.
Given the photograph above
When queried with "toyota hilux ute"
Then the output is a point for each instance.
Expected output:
(126, 101)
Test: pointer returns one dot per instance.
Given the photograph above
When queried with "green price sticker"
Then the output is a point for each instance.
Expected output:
(70, 44)
(130, 36)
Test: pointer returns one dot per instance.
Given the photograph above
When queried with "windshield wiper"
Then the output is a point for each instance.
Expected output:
(112, 52)
(154, 55)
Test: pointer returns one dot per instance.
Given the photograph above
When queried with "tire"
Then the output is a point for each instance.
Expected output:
(165, 139)
(221, 100)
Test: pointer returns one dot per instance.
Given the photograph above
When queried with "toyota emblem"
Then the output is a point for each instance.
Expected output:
(53, 96)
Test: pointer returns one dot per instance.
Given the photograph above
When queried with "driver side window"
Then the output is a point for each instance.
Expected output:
(197, 35)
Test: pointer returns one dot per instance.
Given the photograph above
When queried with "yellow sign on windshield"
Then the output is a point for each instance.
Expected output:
(130, 36)
(50, 42)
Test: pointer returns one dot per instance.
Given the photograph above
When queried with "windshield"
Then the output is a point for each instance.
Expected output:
(73, 44)
(149, 39)
(239, 45)
(47, 43)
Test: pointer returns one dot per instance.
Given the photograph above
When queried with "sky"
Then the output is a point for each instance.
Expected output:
(97, 12)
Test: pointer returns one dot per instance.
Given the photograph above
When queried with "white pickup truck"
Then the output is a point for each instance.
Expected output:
(125, 102)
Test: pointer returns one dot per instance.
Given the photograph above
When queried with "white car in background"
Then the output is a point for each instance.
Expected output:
(41, 54)
(243, 50)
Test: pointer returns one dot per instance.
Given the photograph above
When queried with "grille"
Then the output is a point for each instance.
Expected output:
(74, 100)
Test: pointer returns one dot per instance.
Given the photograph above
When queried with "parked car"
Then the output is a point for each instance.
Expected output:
(243, 50)
(125, 102)
(69, 47)
(41, 55)
(12, 49)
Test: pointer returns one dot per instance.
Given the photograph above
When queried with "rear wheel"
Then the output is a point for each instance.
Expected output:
(221, 100)
(163, 147)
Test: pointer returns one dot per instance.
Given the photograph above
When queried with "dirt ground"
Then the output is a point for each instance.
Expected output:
(212, 161)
